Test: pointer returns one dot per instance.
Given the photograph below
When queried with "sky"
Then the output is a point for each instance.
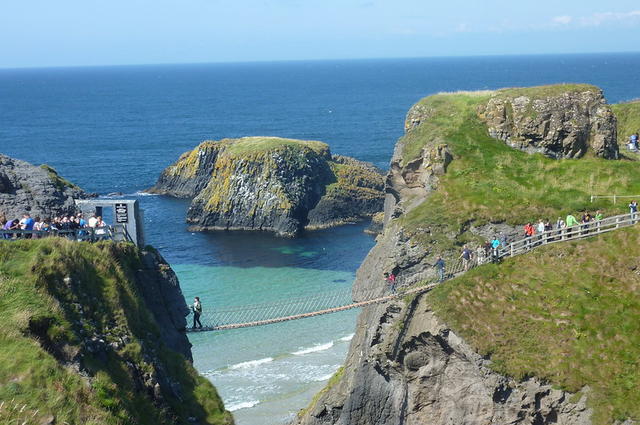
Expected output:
(38, 33)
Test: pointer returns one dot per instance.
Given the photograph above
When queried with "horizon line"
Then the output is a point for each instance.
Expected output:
(275, 61)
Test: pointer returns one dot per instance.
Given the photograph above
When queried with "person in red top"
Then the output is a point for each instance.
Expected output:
(391, 280)
(529, 231)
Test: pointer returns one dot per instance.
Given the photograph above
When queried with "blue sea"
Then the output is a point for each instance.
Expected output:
(113, 129)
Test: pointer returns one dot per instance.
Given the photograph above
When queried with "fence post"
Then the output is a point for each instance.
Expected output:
(511, 249)
(614, 199)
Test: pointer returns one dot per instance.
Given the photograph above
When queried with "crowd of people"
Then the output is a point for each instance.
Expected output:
(34, 227)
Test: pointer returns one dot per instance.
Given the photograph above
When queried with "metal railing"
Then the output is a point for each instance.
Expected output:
(583, 230)
(117, 232)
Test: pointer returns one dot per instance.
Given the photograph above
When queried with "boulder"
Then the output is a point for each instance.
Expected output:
(38, 190)
(563, 121)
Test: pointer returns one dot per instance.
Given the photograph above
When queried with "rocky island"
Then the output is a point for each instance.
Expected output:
(548, 337)
(272, 184)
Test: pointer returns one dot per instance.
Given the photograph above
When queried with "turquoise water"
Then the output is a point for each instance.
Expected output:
(113, 129)
(265, 374)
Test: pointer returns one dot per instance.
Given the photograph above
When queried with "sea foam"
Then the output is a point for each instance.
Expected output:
(241, 405)
(251, 363)
(315, 348)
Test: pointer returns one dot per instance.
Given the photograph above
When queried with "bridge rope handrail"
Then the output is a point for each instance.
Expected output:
(221, 319)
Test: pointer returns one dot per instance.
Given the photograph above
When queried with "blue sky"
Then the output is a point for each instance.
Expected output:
(110, 32)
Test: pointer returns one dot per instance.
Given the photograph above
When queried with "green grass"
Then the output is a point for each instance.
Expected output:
(540, 92)
(567, 313)
(47, 320)
(490, 182)
(628, 115)
(332, 383)
(60, 182)
(252, 145)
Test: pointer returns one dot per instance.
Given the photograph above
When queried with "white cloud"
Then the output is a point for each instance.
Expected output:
(562, 20)
(462, 27)
(598, 19)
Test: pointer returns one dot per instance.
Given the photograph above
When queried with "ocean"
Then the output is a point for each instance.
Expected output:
(113, 129)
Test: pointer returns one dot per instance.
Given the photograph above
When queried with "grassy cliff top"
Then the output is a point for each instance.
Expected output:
(68, 305)
(250, 145)
(567, 313)
(490, 182)
(628, 115)
(540, 92)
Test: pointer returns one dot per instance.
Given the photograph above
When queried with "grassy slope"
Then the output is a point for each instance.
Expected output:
(568, 313)
(628, 115)
(101, 301)
(491, 182)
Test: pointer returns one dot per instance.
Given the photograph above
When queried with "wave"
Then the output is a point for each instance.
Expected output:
(140, 193)
(323, 377)
(315, 348)
(347, 338)
(241, 405)
(252, 363)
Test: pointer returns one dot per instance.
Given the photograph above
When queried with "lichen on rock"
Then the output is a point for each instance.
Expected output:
(272, 184)
(563, 121)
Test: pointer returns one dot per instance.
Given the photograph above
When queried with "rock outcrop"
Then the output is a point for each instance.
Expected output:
(272, 184)
(405, 365)
(559, 122)
(39, 191)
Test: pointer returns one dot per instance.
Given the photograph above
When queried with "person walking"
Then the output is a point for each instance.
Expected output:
(391, 281)
(529, 231)
(495, 245)
(440, 265)
(197, 311)
(571, 222)
(633, 210)
(466, 258)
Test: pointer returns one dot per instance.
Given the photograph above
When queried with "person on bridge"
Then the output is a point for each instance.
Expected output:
(439, 264)
(197, 311)
(391, 280)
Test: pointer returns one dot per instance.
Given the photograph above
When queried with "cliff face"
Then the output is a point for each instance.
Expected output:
(94, 333)
(272, 184)
(37, 190)
(450, 184)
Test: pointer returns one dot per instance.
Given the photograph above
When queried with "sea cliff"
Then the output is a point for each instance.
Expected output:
(272, 184)
(506, 343)
(94, 334)
(40, 191)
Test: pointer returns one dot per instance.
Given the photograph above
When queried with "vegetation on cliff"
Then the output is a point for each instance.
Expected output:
(567, 313)
(80, 346)
(628, 115)
(271, 183)
(488, 181)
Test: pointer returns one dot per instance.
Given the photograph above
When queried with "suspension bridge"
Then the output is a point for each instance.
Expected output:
(244, 316)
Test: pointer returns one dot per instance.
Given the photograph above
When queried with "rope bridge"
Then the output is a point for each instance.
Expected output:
(345, 299)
